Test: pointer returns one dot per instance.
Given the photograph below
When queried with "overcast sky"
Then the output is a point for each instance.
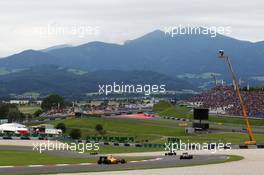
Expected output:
(37, 24)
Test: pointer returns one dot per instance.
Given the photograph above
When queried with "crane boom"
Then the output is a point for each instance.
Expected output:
(252, 140)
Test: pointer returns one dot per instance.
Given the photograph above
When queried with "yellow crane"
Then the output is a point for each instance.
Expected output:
(251, 140)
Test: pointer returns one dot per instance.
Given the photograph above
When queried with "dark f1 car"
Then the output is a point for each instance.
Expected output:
(110, 160)
(186, 156)
(171, 153)
(93, 153)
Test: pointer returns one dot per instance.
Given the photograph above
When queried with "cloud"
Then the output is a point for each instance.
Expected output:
(119, 20)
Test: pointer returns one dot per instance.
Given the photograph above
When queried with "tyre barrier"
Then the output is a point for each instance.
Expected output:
(111, 139)
(25, 138)
(116, 144)
(7, 138)
(138, 145)
(260, 146)
(243, 147)
(12, 136)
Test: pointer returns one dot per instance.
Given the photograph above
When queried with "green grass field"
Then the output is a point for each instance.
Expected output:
(154, 131)
(28, 109)
(234, 120)
(184, 112)
(177, 111)
(157, 131)
(17, 158)
(162, 105)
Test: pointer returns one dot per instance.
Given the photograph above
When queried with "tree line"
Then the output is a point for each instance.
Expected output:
(11, 112)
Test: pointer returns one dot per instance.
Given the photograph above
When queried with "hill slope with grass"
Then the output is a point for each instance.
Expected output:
(71, 83)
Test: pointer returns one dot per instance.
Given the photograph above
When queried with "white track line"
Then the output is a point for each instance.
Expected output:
(152, 160)
(158, 158)
(85, 164)
(145, 160)
(32, 166)
(62, 164)
(7, 166)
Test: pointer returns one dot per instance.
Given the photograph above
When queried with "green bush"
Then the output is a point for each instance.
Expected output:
(75, 134)
(61, 126)
(38, 112)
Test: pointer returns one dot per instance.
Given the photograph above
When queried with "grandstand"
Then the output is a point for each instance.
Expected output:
(223, 100)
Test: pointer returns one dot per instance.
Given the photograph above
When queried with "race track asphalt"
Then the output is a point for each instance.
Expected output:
(252, 164)
(158, 161)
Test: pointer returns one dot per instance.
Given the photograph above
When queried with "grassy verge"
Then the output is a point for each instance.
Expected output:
(234, 158)
(236, 120)
(228, 137)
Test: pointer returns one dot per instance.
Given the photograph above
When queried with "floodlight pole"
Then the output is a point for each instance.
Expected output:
(252, 140)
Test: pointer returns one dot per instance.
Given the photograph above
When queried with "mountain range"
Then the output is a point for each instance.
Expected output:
(189, 60)
(39, 81)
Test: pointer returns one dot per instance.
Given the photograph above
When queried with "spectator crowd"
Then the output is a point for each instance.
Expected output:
(224, 98)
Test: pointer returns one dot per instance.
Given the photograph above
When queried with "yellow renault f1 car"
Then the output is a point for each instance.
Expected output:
(110, 160)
